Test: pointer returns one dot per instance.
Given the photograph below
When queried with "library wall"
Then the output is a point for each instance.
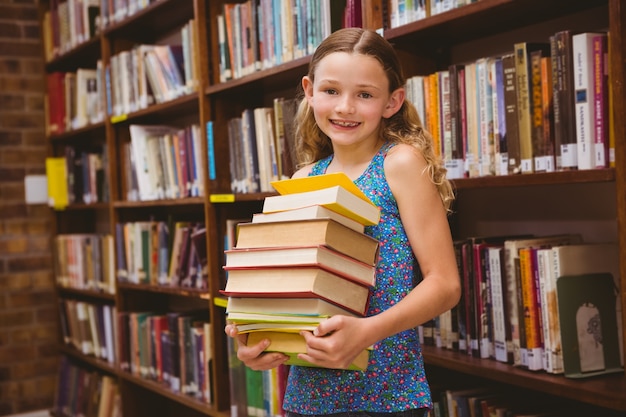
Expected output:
(28, 329)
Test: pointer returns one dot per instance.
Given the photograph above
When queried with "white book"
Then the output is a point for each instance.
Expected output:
(582, 48)
(498, 313)
(305, 213)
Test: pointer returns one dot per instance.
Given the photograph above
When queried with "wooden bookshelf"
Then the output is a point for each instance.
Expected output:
(478, 29)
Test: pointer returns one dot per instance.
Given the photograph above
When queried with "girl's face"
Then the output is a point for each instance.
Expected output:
(350, 96)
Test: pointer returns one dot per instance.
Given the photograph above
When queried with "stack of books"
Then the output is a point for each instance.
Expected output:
(304, 258)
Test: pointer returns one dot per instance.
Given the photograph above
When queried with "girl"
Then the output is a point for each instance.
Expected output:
(354, 119)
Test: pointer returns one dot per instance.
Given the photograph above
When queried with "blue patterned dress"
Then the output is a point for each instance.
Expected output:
(394, 380)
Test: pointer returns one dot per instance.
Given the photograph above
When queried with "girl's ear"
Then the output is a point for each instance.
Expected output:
(395, 102)
(307, 87)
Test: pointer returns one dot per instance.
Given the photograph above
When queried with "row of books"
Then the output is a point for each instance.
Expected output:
(159, 253)
(279, 270)
(78, 177)
(85, 261)
(256, 35)
(262, 146)
(255, 393)
(152, 74)
(402, 12)
(544, 107)
(81, 392)
(163, 162)
(74, 99)
(90, 328)
(521, 296)
(68, 24)
(489, 401)
(173, 348)
(113, 12)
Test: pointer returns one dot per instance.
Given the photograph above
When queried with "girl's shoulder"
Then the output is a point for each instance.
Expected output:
(303, 172)
(403, 155)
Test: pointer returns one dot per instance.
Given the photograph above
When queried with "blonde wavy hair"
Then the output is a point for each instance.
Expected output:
(403, 127)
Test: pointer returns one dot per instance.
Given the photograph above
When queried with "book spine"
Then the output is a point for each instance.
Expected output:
(600, 100)
(582, 46)
(536, 111)
(547, 106)
(454, 164)
(499, 120)
(510, 115)
(523, 107)
(566, 147)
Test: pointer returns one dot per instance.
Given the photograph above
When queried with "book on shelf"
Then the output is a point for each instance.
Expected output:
(564, 101)
(455, 161)
(513, 287)
(601, 100)
(300, 282)
(297, 256)
(284, 115)
(583, 72)
(589, 329)
(500, 129)
(501, 326)
(56, 174)
(266, 147)
(532, 307)
(524, 75)
(292, 343)
(541, 100)
(484, 95)
(309, 232)
(575, 259)
(510, 115)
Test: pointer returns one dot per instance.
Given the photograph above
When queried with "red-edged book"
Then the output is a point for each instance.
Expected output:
(303, 256)
(297, 282)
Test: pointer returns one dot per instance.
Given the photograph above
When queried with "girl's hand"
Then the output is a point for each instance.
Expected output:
(253, 356)
(336, 342)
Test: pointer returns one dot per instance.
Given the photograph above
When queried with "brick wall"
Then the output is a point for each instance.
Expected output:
(28, 329)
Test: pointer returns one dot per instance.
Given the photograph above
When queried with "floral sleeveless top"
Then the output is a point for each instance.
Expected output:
(394, 380)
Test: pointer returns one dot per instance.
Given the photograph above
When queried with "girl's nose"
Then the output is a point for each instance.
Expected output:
(345, 104)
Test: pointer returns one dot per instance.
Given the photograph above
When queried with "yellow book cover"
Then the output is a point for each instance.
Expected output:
(56, 172)
(292, 343)
(318, 182)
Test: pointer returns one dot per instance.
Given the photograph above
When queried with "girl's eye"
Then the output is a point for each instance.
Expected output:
(331, 91)
(365, 95)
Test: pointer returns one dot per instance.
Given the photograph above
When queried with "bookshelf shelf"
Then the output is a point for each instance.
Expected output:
(162, 390)
(607, 391)
(86, 294)
(158, 18)
(481, 19)
(179, 291)
(87, 52)
(184, 106)
(93, 133)
(89, 360)
(268, 79)
(549, 178)
(182, 202)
